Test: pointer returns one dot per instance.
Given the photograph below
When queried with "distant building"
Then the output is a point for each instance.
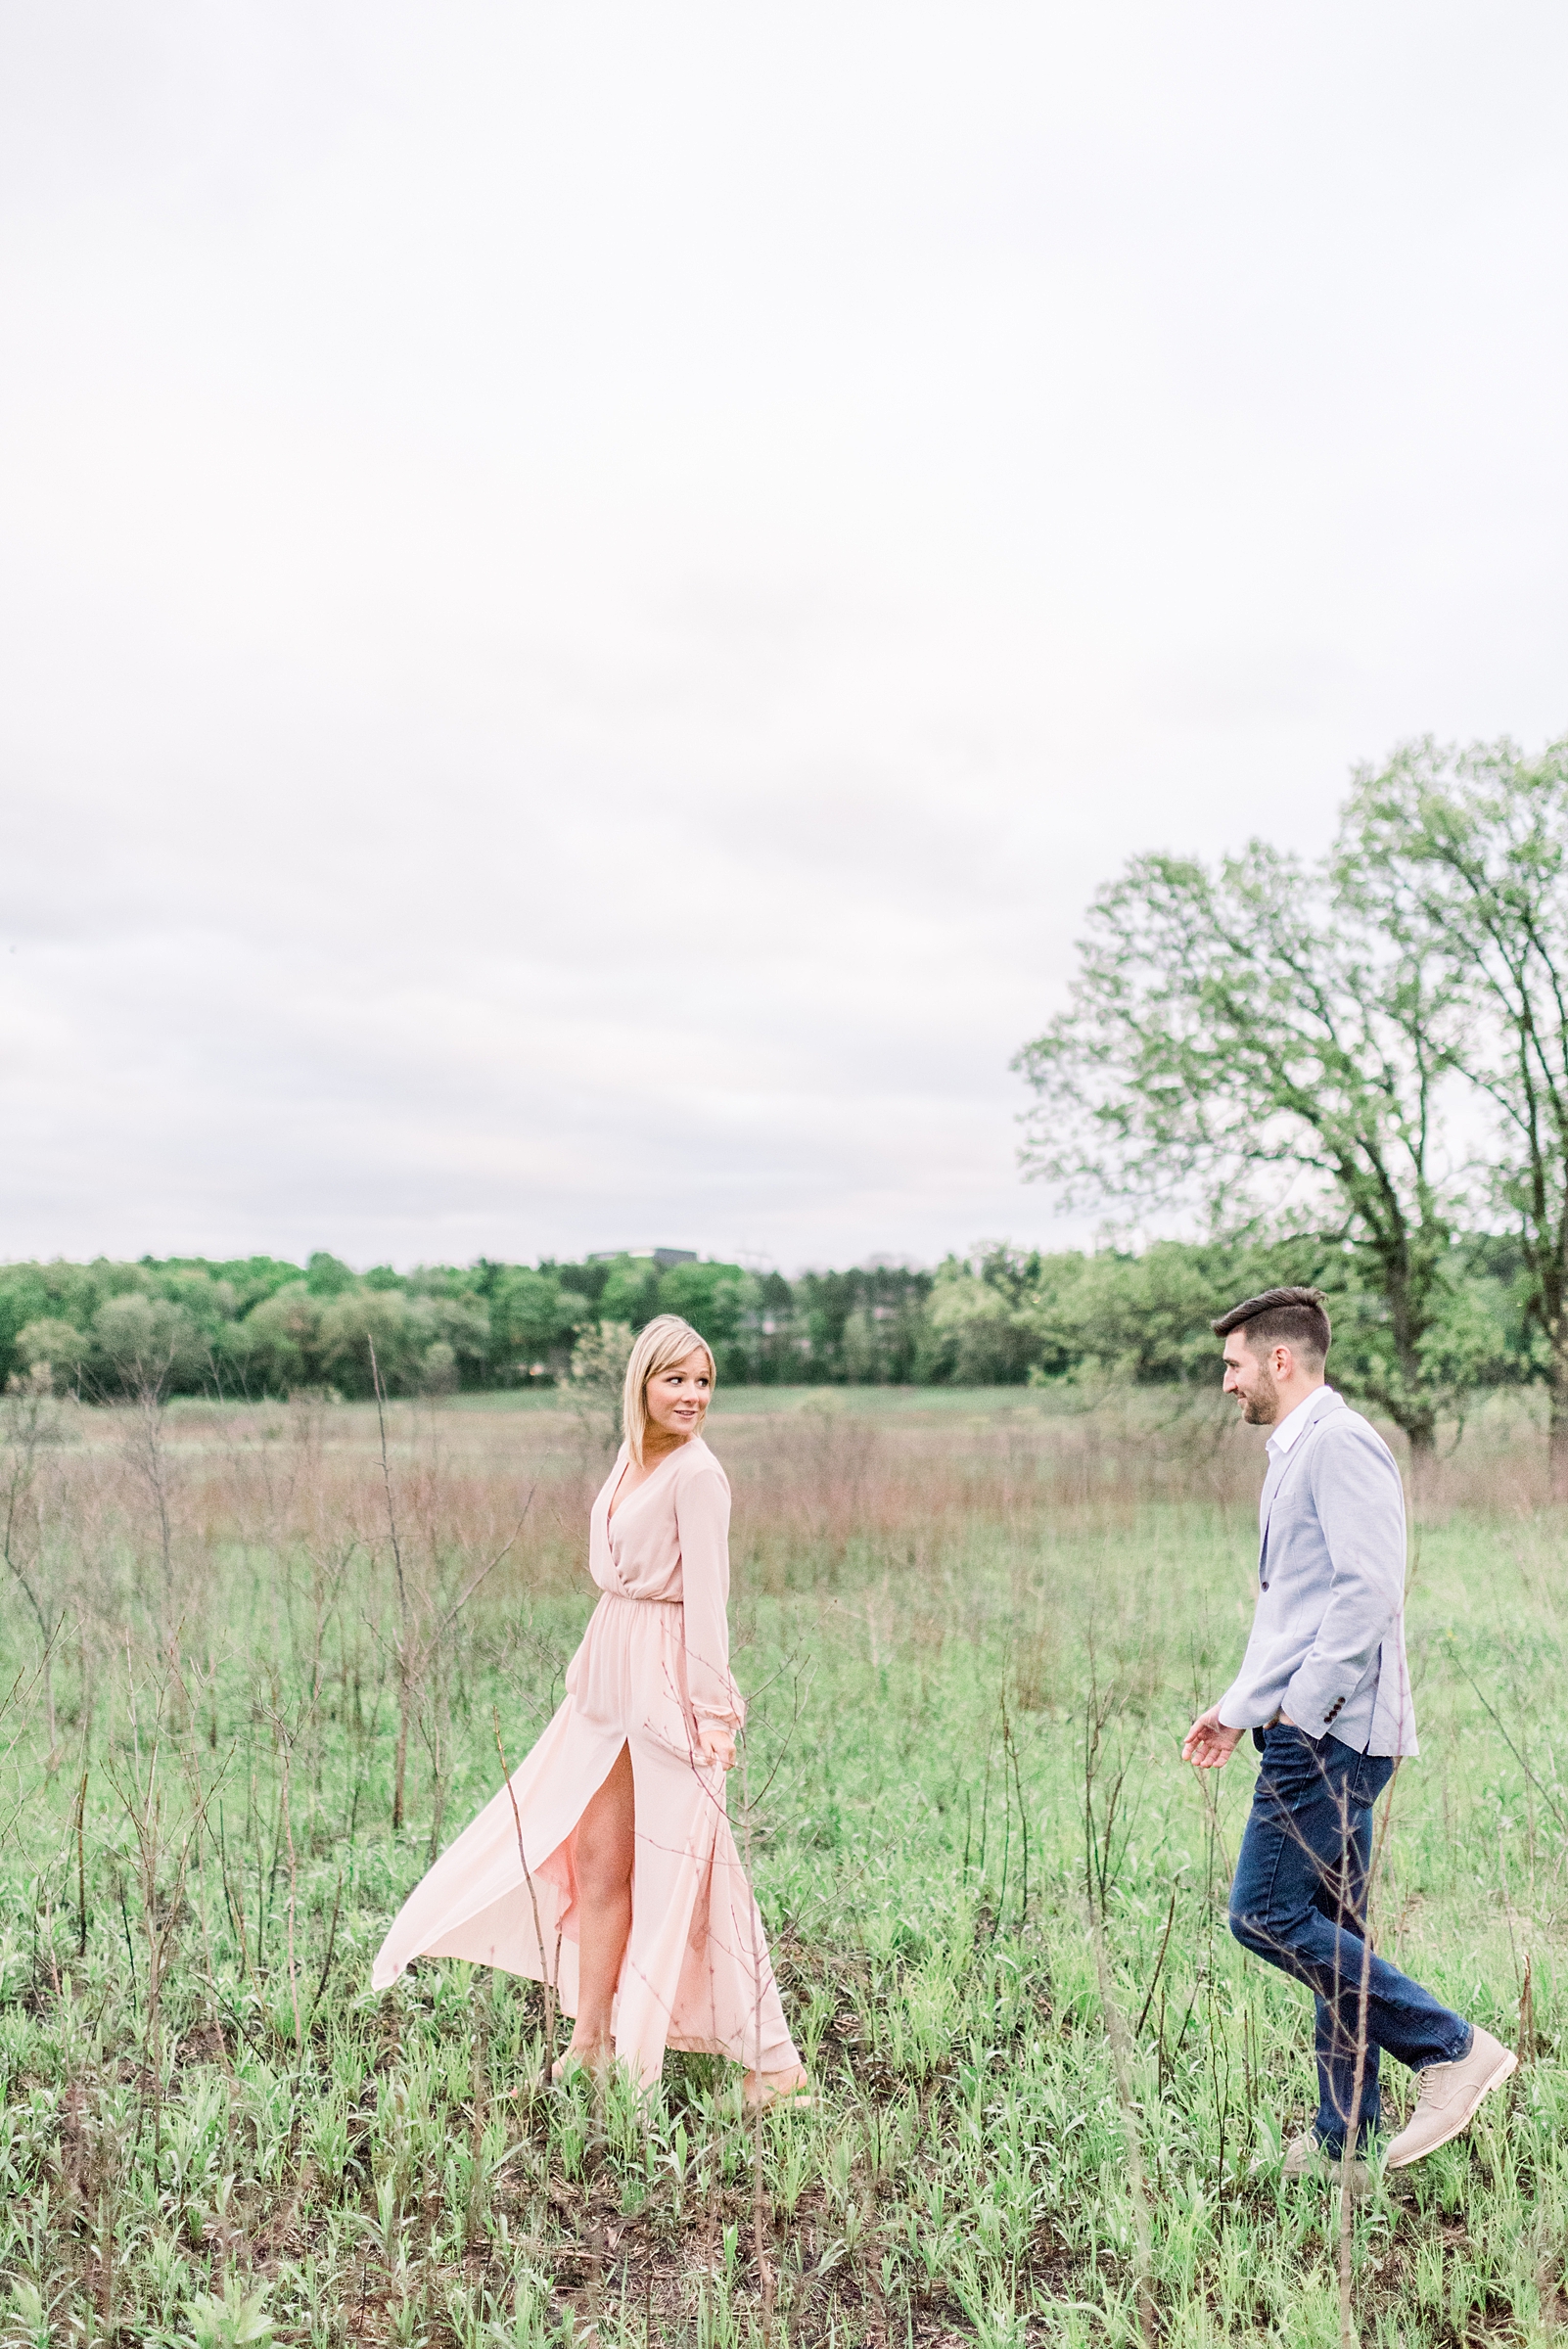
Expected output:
(661, 1258)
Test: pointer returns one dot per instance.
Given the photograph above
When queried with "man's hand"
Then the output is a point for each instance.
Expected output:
(1209, 1744)
(716, 1745)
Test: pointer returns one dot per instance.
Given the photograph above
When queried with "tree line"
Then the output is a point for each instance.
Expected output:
(260, 1326)
(1368, 1052)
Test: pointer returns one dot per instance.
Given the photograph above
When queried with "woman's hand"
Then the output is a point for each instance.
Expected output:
(716, 1746)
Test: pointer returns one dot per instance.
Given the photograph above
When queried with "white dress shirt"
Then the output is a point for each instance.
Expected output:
(1293, 1424)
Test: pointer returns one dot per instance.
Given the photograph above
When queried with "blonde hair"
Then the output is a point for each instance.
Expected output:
(666, 1339)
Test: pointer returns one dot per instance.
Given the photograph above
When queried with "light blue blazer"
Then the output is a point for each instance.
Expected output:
(1328, 1642)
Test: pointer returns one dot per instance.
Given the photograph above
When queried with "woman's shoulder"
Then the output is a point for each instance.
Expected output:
(696, 1462)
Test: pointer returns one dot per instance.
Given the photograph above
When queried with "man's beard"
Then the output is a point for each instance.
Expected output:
(1260, 1409)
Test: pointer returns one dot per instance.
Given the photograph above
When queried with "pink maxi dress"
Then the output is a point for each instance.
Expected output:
(652, 1669)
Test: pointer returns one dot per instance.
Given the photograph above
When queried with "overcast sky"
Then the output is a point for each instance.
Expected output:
(587, 592)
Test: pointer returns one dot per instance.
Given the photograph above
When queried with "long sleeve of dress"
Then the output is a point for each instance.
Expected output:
(701, 1518)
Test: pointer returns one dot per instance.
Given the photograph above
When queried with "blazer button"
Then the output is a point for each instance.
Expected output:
(1265, 1586)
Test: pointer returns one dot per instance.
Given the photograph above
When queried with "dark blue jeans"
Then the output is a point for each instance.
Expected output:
(1300, 1900)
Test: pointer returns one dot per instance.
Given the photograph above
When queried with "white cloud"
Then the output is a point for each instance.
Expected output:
(584, 595)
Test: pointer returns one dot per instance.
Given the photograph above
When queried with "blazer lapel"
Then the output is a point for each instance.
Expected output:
(1277, 1464)
(1279, 1468)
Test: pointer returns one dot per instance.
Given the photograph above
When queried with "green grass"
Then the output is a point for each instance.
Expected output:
(266, 2149)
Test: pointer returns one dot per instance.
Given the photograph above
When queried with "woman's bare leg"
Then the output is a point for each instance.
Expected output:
(604, 1851)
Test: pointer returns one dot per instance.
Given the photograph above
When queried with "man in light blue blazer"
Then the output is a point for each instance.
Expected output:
(1325, 1690)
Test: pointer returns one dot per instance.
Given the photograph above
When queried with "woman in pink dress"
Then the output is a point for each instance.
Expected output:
(608, 1864)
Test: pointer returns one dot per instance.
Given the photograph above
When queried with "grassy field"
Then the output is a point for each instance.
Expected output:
(977, 1625)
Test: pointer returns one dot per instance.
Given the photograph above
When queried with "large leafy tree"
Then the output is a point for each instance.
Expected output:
(1239, 1044)
(1462, 857)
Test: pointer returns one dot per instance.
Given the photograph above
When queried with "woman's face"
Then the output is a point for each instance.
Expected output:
(677, 1397)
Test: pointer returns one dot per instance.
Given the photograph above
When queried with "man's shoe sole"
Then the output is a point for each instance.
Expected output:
(1499, 2072)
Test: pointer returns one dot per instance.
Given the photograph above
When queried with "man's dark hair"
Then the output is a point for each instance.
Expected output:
(1294, 1317)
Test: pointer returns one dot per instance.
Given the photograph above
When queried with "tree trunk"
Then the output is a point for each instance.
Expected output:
(1557, 1438)
(1423, 1462)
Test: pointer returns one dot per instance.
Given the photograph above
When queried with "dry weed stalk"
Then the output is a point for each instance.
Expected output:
(766, 2280)
(163, 1860)
(423, 1620)
(1098, 1879)
(1350, 2337)
(145, 1442)
(550, 1971)
(30, 1422)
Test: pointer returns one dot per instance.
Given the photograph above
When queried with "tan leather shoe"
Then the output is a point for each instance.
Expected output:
(1451, 2095)
(1305, 2157)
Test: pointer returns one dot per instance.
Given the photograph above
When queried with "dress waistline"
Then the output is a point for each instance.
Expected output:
(630, 1598)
